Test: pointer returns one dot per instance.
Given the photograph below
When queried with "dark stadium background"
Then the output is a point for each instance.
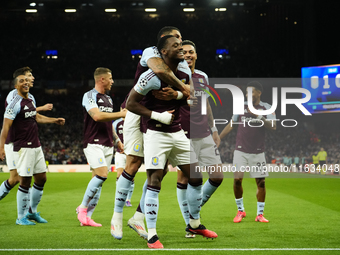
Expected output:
(265, 38)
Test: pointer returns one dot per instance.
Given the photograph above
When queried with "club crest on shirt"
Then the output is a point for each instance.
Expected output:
(155, 161)
(33, 104)
(28, 170)
(100, 160)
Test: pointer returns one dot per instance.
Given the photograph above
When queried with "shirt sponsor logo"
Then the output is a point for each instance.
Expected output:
(198, 93)
(105, 109)
(30, 114)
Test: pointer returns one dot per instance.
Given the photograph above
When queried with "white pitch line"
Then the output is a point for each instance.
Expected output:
(186, 249)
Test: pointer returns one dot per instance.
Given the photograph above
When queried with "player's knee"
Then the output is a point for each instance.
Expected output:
(217, 180)
(156, 181)
(195, 181)
(41, 182)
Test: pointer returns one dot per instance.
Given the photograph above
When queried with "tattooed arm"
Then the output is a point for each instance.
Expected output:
(164, 73)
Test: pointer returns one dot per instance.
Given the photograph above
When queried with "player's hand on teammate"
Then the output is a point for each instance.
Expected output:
(163, 117)
(166, 94)
(123, 112)
(120, 146)
(60, 121)
(186, 91)
(192, 101)
(172, 116)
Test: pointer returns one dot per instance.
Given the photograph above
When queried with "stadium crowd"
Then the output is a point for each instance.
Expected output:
(79, 53)
(63, 145)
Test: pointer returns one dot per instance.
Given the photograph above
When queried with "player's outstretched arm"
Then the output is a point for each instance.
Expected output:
(99, 116)
(164, 73)
(46, 107)
(133, 105)
(48, 120)
(3, 136)
(226, 130)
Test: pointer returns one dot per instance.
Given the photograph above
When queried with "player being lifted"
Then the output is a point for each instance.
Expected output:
(165, 139)
(249, 149)
(197, 128)
(133, 137)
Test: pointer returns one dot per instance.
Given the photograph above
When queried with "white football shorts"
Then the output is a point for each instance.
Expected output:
(161, 146)
(11, 156)
(98, 155)
(206, 151)
(31, 161)
(120, 160)
(133, 137)
(248, 162)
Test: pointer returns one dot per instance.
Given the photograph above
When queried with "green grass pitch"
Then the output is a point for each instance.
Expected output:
(303, 213)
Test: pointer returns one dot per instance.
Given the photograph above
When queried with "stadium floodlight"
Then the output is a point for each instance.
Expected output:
(220, 9)
(33, 4)
(70, 10)
(31, 10)
(150, 9)
(189, 9)
(110, 10)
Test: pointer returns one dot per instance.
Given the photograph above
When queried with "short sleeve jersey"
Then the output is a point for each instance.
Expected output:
(147, 82)
(11, 95)
(193, 122)
(151, 52)
(97, 132)
(118, 127)
(24, 130)
(251, 139)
